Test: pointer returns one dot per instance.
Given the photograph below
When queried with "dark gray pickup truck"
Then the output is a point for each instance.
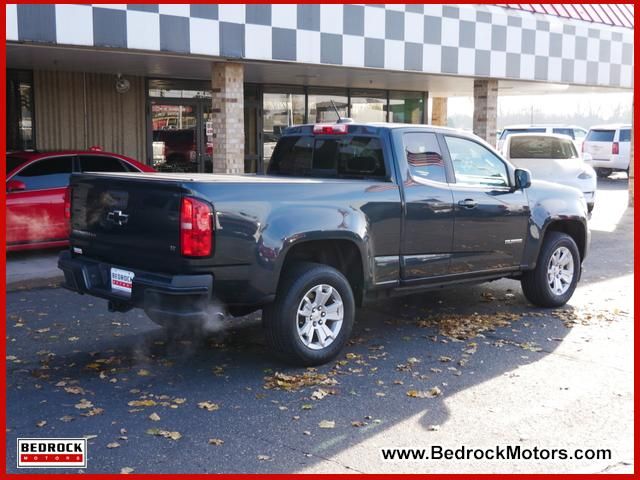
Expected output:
(347, 213)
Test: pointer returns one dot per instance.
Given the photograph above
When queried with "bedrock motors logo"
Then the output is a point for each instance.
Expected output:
(52, 452)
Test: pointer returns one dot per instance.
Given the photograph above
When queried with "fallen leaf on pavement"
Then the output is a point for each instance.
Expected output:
(142, 403)
(83, 404)
(327, 424)
(164, 433)
(433, 392)
(113, 445)
(75, 390)
(143, 373)
(264, 457)
(209, 406)
(93, 412)
(319, 394)
(154, 417)
(125, 470)
(41, 423)
(215, 441)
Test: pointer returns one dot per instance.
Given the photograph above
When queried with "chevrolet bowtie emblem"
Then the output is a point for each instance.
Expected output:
(118, 217)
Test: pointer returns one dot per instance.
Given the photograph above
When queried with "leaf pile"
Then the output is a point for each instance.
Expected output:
(462, 327)
(310, 378)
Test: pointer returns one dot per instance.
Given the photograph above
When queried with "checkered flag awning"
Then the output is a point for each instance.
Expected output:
(469, 40)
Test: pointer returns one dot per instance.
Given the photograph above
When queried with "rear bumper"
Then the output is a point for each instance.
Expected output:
(616, 162)
(164, 297)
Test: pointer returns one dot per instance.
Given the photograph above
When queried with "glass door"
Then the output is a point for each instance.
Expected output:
(174, 127)
(252, 130)
(205, 142)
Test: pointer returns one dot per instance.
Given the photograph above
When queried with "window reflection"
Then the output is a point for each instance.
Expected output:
(406, 107)
(280, 110)
(20, 121)
(321, 108)
(367, 106)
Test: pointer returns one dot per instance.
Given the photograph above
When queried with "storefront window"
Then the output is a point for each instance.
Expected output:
(20, 117)
(161, 88)
(280, 110)
(321, 108)
(406, 107)
(368, 106)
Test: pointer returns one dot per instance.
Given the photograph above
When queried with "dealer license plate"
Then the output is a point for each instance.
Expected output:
(121, 280)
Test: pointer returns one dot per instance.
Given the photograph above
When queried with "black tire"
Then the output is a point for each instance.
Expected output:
(603, 172)
(280, 319)
(535, 284)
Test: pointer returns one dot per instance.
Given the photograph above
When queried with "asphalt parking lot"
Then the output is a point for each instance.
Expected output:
(474, 366)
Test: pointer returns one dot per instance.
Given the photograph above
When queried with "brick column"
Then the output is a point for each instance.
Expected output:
(227, 86)
(485, 109)
(439, 111)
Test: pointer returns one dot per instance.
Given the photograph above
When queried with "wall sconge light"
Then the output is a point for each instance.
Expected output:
(122, 84)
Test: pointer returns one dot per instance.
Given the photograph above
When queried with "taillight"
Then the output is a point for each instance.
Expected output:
(330, 129)
(67, 203)
(615, 148)
(196, 228)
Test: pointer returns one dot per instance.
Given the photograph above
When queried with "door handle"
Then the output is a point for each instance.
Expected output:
(468, 203)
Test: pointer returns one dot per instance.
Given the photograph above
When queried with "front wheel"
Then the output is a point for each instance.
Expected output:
(553, 281)
(312, 317)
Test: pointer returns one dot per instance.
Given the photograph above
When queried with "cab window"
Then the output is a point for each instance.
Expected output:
(47, 173)
(474, 164)
(349, 156)
(424, 156)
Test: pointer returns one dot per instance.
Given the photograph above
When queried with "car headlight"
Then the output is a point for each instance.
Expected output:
(585, 175)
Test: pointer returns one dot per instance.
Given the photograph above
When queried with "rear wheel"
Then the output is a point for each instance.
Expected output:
(553, 281)
(603, 172)
(312, 317)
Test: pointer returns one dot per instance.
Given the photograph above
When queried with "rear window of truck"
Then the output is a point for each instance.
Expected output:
(348, 156)
(600, 136)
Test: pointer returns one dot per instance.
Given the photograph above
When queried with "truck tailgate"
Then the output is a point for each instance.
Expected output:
(127, 219)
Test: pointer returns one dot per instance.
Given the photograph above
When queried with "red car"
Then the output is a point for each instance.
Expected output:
(36, 186)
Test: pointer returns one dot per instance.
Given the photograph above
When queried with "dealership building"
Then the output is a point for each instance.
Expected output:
(208, 87)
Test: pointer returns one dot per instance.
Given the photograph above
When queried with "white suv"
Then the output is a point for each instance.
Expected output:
(607, 148)
(576, 133)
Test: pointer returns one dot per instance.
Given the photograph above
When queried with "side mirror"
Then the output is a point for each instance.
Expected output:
(523, 178)
(15, 186)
